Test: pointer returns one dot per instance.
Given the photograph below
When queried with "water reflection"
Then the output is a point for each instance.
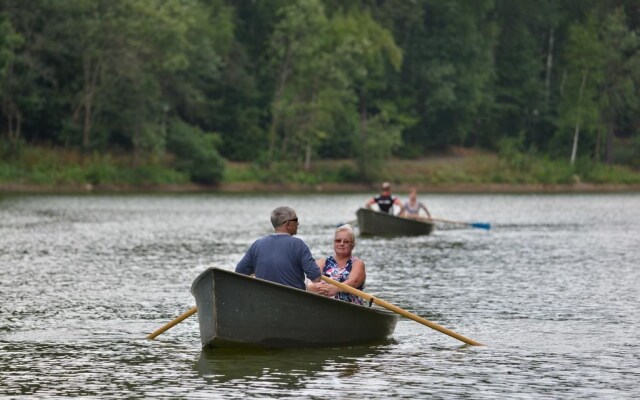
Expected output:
(286, 367)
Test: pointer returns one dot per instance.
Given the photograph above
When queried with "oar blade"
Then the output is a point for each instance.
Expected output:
(481, 225)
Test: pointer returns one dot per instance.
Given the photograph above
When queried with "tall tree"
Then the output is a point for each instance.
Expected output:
(368, 54)
(448, 71)
(310, 88)
(602, 80)
(579, 105)
(9, 41)
(322, 65)
(523, 69)
(294, 46)
(26, 75)
(622, 75)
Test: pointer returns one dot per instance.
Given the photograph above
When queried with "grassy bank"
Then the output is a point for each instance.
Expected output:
(51, 169)
(461, 167)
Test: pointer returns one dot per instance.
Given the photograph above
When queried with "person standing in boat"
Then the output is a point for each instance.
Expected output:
(343, 267)
(412, 206)
(385, 200)
(280, 257)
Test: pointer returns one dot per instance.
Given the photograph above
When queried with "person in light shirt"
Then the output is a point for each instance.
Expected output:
(412, 207)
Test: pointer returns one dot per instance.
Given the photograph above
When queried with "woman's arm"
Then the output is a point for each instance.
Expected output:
(357, 275)
(425, 210)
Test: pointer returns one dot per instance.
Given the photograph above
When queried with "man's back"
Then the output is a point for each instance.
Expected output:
(280, 258)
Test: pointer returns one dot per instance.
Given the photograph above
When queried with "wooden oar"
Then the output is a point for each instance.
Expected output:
(176, 321)
(400, 311)
(481, 225)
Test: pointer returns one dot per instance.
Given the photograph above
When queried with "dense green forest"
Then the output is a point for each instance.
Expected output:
(284, 84)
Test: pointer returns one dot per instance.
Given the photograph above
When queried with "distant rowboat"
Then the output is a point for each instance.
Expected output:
(377, 223)
(235, 310)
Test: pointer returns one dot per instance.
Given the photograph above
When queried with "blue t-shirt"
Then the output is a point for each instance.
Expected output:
(280, 258)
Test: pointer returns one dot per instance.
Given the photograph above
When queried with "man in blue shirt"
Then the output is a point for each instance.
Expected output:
(280, 257)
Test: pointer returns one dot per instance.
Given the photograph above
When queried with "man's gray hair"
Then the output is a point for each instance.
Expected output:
(282, 214)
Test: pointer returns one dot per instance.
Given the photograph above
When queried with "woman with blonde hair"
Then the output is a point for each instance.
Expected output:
(343, 267)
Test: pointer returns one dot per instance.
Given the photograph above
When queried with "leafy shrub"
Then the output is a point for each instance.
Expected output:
(348, 173)
(195, 153)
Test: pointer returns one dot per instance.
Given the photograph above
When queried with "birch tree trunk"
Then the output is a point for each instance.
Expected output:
(549, 67)
(576, 133)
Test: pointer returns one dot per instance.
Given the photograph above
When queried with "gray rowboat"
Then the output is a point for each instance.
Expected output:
(236, 310)
(377, 223)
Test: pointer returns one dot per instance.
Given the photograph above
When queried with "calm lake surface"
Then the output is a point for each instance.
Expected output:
(553, 290)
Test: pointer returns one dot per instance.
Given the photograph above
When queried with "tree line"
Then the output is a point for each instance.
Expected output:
(287, 82)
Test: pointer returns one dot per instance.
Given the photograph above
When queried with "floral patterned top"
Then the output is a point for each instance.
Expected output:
(334, 272)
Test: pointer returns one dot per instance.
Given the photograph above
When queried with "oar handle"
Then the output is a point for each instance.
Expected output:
(448, 221)
(481, 225)
(400, 311)
(171, 324)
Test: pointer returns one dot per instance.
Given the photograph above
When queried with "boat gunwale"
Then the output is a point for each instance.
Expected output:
(409, 222)
(368, 306)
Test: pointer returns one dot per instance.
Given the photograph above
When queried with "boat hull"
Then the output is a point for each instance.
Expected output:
(376, 223)
(235, 310)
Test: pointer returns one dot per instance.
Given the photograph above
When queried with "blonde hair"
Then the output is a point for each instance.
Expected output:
(349, 229)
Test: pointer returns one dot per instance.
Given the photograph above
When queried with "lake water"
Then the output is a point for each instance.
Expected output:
(552, 290)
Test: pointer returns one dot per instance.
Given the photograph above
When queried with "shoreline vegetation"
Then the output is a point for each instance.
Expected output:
(42, 170)
(449, 96)
(455, 96)
(256, 187)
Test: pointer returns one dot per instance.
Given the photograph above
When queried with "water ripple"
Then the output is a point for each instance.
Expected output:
(552, 290)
